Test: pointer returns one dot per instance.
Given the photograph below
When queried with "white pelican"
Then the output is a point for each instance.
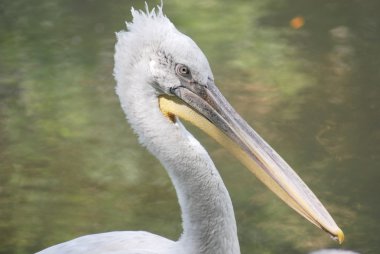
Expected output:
(162, 76)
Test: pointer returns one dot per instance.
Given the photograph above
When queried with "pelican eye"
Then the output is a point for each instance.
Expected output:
(183, 71)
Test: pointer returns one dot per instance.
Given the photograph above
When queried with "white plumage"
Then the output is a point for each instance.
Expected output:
(153, 59)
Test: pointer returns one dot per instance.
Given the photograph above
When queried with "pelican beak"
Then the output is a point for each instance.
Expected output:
(206, 108)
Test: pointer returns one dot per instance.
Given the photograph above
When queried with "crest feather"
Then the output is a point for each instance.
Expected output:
(154, 18)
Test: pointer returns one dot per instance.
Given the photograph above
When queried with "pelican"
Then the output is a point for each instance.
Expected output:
(162, 78)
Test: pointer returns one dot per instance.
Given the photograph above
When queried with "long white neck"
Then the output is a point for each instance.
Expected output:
(207, 213)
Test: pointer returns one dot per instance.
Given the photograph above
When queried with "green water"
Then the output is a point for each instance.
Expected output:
(70, 165)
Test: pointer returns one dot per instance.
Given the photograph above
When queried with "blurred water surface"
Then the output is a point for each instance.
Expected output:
(305, 74)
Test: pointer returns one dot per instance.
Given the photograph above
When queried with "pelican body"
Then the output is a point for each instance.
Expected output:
(162, 78)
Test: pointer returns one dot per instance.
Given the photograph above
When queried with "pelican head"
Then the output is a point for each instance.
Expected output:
(162, 76)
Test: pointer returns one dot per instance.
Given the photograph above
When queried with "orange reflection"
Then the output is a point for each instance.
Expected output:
(297, 22)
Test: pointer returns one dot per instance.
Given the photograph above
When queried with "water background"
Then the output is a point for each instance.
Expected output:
(304, 74)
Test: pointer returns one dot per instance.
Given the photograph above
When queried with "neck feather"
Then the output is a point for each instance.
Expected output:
(207, 212)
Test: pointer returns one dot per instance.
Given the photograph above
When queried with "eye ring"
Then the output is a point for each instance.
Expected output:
(182, 70)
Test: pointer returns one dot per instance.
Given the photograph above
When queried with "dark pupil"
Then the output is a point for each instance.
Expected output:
(184, 70)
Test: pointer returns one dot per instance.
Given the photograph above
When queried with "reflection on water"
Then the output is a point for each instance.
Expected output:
(69, 165)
